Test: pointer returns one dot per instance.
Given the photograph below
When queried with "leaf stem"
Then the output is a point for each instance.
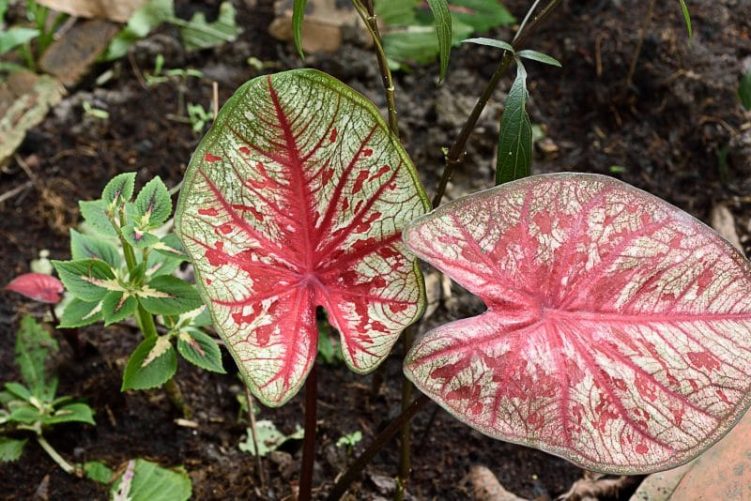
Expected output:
(380, 441)
(56, 457)
(254, 436)
(309, 439)
(369, 18)
(405, 446)
(457, 152)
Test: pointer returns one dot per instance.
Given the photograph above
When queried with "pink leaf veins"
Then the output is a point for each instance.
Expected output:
(296, 199)
(37, 286)
(618, 328)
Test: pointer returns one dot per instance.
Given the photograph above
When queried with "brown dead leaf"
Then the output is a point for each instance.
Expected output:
(25, 99)
(721, 473)
(70, 57)
(322, 24)
(486, 487)
(723, 222)
(114, 10)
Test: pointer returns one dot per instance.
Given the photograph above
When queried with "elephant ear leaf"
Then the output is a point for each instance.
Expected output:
(295, 200)
(618, 328)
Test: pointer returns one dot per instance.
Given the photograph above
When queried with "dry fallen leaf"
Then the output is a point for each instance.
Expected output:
(114, 10)
(486, 487)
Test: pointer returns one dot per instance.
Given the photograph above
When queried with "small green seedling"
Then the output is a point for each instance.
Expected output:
(199, 117)
(122, 269)
(350, 440)
(269, 438)
(33, 405)
(160, 75)
(90, 110)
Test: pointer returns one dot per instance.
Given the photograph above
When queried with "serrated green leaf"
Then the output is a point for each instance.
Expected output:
(201, 350)
(79, 313)
(515, 142)
(150, 482)
(490, 42)
(95, 216)
(200, 34)
(117, 306)
(140, 239)
(151, 364)
(89, 247)
(171, 246)
(153, 204)
(98, 472)
(298, 13)
(442, 18)
(744, 91)
(33, 345)
(10, 449)
(71, 413)
(168, 295)
(687, 17)
(539, 57)
(119, 189)
(87, 279)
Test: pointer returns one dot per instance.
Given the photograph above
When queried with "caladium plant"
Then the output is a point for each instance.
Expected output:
(618, 328)
(296, 200)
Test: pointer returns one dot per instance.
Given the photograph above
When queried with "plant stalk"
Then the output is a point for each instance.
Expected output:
(66, 466)
(380, 441)
(458, 150)
(369, 18)
(254, 436)
(405, 435)
(309, 439)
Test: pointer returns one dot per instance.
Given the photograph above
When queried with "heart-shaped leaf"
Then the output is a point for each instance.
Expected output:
(37, 286)
(296, 199)
(618, 330)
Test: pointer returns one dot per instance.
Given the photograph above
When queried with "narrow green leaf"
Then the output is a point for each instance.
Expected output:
(98, 472)
(89, 247)
(24, 414)
(16, 36)
(744, 91)
(442, 18)
(201, 350)
(71, 413)
(141, 23)
(119, 189)
(95, 216)
(154, 204)
(10, 449)
(687, 17)
(482, 15)
(298, 13)
(117, 306)
(201, 34)
(151, 482)
(498, 44)
(33, 346)
(515, 142)
(87, 279)
(539, 57)
(18, 390)
(168, 295)
(79, 313)
(152, 363)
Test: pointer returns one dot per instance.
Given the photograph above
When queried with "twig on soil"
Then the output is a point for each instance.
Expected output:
(254, 436)
(15, 191)
(215, 98)
(597, 486)
(637, 51)
(383, 438)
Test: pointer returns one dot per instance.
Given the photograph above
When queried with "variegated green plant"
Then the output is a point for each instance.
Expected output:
(122, 268)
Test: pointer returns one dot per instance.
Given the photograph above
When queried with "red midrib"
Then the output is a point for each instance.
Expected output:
(298, 178)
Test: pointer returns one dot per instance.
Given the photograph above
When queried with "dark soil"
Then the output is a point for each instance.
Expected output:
(665, 132)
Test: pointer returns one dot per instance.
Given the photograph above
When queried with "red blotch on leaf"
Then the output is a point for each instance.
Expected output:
(212, 158)
(37, 286)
